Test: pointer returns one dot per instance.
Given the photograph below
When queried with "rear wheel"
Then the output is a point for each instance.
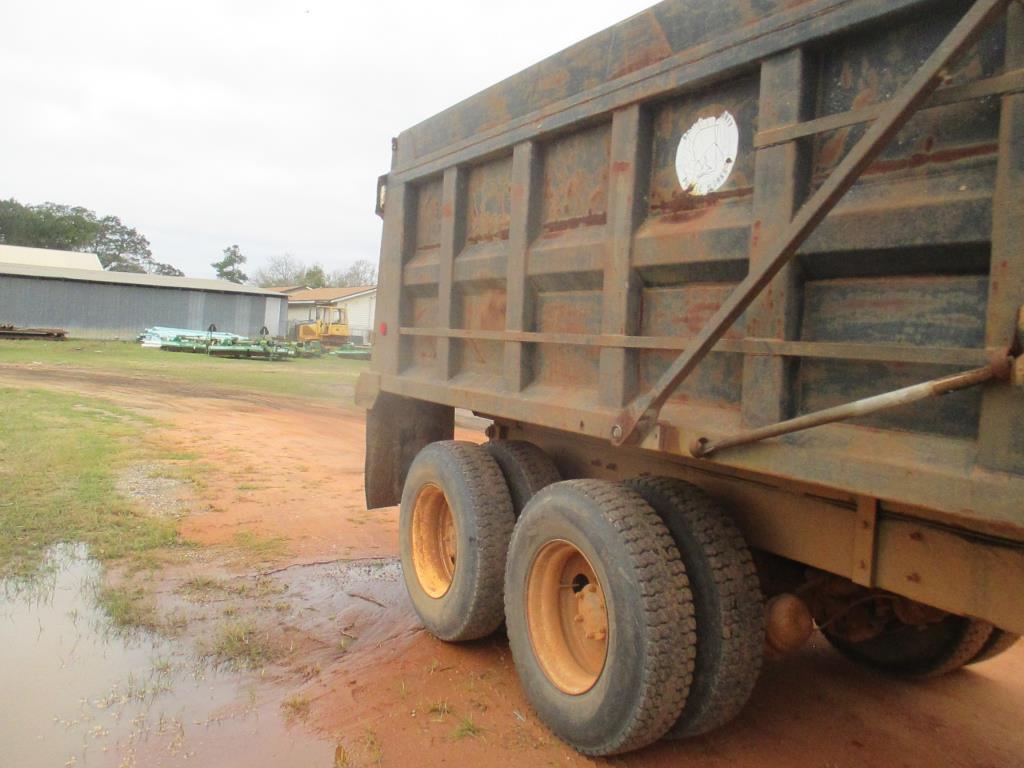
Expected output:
(727, 600)
(599, 616)
(527, 469)
(454, 527)
(917, 650)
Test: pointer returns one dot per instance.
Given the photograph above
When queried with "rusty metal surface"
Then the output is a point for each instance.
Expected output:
(642, 413)
(563, 268)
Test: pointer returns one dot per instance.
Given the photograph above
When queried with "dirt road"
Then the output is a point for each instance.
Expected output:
(374, 689)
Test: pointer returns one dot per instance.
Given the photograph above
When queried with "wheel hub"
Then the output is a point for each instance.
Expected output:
(434, 541)
(567, 617)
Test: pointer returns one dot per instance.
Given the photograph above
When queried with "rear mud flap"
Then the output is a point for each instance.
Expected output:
(397, 428)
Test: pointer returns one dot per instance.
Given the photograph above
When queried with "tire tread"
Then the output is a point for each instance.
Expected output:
(668, 624)
(723, 684)
(490, 499)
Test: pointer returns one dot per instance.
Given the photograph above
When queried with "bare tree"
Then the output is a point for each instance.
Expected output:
(280, 271)
(288, 270)
(362, 272)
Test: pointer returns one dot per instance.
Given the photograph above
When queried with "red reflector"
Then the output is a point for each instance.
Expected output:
(383, 329)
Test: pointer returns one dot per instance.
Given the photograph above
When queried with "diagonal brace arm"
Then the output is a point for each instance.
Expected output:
(635, 421)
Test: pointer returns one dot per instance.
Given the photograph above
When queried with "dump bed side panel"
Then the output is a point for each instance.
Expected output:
(543, 262)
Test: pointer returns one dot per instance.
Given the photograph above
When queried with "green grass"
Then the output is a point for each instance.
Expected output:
(320, 379)
(467, 728)
(259, 547)
(240, 644)
(129, 608)
(59, 456)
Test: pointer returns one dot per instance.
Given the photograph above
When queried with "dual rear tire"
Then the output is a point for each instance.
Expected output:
(633, 610)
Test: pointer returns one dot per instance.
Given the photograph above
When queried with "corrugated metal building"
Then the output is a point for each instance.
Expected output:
(96, 304)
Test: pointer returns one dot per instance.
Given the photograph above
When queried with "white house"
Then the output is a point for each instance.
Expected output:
(359, 302)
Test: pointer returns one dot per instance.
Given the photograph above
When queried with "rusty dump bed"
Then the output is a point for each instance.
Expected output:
(543, 263)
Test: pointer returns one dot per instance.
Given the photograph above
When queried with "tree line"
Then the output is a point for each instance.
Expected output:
(287, 270)
(120, 248)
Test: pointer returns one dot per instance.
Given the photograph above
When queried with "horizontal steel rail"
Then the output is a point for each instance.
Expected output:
(897, 353)
(1000, 85)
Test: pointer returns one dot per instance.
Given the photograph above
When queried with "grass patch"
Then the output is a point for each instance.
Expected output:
(264, 548)
(308, 378)
(129, 608)
(202, 589)
(467, 729)
(373, 748)
(242, 645)
(296, 707)
(440, 708)
(59, 458)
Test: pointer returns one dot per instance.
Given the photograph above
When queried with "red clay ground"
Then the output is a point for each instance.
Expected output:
(380, 691)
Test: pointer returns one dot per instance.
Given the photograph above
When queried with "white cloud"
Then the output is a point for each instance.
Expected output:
(261, 123)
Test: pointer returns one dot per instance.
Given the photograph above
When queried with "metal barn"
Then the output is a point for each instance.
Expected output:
(119, 305)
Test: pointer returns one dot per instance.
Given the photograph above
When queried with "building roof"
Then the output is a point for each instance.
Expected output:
(329, 294)
(48, 257)
(286, 288)
(130, 278)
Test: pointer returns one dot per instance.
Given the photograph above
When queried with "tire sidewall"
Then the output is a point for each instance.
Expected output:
(442, 614)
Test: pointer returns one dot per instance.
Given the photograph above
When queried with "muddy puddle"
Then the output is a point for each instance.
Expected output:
(74, 691)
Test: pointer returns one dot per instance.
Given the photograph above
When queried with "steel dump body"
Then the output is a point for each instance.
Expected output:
(543, 265)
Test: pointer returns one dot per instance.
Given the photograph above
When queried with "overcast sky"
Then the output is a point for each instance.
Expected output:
(261, 123)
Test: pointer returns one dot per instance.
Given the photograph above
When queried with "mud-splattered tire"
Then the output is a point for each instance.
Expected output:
(931, 650)
(727, 600)
(527, 469)
(454, 527)
(999, 642)
(598, 549)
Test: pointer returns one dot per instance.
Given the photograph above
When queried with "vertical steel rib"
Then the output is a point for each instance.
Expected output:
(642, 413)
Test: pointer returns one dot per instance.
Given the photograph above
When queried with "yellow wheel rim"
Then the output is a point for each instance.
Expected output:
(434, 541)
(566, 617)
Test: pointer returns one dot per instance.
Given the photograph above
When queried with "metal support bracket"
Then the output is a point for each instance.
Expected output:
(865, 537)
(633, 423)
(703, 446)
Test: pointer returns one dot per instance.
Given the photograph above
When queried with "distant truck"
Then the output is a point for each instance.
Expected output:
(709, 272)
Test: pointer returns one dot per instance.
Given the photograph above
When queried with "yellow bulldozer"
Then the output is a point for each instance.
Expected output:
(327, 324)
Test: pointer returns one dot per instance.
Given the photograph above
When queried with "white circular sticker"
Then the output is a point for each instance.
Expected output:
(707, 153)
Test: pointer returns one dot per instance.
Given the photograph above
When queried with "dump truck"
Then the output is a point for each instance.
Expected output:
(739, 286)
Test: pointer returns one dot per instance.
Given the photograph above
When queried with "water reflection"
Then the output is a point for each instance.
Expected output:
(74, 691)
